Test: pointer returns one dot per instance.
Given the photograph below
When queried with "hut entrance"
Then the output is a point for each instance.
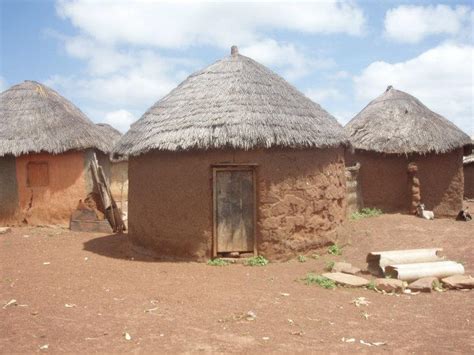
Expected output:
(234, 210)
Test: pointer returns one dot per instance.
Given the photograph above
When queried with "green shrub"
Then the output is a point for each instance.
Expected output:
(366, 212)
(324, 282)
(335, 250)
(371, 286)
(301, 258)
(218, 262)
(256, 261)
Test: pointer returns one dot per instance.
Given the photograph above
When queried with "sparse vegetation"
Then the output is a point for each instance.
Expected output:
(301, 258)
(366, 212)
(438, 286)
(218, 262)
(335, 250)
(324, 282)
(256, 261)
(371, 286)
(329, 265)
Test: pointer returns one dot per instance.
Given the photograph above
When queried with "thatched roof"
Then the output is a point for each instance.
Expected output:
(110, 134)
(396, 122)
(35, 118)
(233, 103)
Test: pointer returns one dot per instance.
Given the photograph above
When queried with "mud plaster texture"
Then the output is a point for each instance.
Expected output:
(384, 181)
(51, 204)
(8, 189)
(300, 199)
(469, 181)
(119, 180)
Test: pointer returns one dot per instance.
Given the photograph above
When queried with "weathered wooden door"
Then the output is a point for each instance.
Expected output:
(234, 209)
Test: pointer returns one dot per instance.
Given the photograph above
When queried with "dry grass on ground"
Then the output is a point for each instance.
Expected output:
(182, 307)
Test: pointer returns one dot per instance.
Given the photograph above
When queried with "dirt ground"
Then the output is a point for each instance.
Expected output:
(79, 292)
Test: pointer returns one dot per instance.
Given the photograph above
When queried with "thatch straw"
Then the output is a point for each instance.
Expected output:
(110, 134)
(398, 123)
(234, 103)
(35, 118)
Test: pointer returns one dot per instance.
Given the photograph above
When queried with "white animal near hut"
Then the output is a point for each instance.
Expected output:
(422, 213)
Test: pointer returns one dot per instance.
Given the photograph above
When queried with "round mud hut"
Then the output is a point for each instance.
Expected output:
(46, 144)
(408, 154)
(118, 167)
(234, 161)
(468, 163)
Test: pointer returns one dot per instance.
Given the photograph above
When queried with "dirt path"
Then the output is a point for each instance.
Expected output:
(184, 307)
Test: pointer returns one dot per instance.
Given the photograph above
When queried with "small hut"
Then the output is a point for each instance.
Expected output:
(408, 154)
(468, 163)
(118, 167)
(46, 144)
(234, 160)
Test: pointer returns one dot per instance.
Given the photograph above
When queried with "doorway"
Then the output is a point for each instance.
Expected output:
(234, 209)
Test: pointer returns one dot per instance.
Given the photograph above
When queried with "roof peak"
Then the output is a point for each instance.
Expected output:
(234, 51)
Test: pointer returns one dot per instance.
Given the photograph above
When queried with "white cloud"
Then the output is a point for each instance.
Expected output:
(135, 78)
(291, 60)
(120, 119)
(180, 25)
(325, 94)
(411, 24)
(442, 78)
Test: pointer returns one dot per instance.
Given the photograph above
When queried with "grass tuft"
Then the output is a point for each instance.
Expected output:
(256, 261)
(217, 262)
(335, 250)
(366, 212)
(324, 282)
(301, 258)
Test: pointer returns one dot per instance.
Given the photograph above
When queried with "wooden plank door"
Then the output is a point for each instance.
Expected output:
(234, 210)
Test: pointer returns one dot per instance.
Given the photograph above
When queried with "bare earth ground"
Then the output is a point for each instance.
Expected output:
(196, 307)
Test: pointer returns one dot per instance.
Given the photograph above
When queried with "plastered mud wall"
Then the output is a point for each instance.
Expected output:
(53, 203)
(469, 181)
(119, 180)
(383, 180)
(300, 199)
(8, 189)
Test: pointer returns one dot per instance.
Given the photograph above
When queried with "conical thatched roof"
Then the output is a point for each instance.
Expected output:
(234, 103)
(110, 134)
(35, 118)
(396, 122)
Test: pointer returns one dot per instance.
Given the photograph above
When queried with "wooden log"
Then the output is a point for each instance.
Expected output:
(411, 272)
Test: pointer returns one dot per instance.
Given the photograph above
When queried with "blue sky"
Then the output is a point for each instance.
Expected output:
(114, 59)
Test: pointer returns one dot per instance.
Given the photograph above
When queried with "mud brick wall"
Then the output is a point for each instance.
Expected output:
(300, 199)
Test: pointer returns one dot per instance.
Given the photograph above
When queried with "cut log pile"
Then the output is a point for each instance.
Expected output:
(404, 271)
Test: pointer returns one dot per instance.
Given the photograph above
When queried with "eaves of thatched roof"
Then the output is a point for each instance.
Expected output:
(34, 118)
(398, 123)
(234, 103)
(110, 134)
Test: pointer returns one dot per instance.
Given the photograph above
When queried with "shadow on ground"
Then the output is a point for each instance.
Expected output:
(116, 246)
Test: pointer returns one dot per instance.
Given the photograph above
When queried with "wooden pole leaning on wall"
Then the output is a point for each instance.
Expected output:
(112, 212)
